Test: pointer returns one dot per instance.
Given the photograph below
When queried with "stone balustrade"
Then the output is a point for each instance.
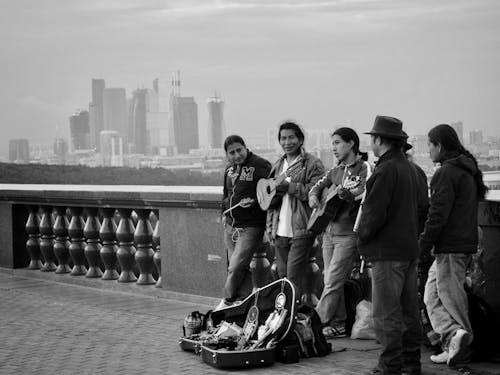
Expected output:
(114, 232)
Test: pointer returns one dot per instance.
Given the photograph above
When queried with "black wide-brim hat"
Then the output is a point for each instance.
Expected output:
(388, 127)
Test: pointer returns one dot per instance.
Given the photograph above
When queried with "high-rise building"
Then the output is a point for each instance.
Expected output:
(216, 128)
(19, 150)
(96, 111)
(459, 128)
(111, 144)
(115, 110)
(183, 118)
(160, 138)
(476, 137)
(79, 130)
(138, 132)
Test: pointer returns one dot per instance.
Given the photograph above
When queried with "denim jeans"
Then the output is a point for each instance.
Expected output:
(292, 257)
(339, 254)
(445, 298)
(396, 315)
(241, 244)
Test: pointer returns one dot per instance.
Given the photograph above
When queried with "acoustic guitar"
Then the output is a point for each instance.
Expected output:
(330, 205)
(266, 187)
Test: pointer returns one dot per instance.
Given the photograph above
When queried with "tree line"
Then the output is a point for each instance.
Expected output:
(84, 175)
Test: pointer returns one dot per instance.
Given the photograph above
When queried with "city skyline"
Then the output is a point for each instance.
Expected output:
(324, 64)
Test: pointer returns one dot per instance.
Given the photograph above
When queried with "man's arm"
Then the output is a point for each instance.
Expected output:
(301, 190)
(441, 203)
(378, 197)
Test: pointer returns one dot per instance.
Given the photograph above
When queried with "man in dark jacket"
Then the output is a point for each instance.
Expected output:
(244, 221)
(451, 227)
(388, 238)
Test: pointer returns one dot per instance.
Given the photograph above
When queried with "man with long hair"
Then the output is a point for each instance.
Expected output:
(339, 239)
(289, 213)
(451, 229)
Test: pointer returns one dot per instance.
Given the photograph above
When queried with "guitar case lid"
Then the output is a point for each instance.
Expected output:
(278, 295)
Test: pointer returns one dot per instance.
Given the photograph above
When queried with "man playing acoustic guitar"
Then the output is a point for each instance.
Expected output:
(289, 212)
(347, 182)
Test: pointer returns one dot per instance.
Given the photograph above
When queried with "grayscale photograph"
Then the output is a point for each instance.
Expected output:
(250, 186)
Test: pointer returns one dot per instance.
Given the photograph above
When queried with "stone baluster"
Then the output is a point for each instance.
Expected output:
(143, 237)
(107, 233)
(260, 267)
(77, 242)
(47, 240)
(33, 243)
(126, 250)
(310, 282)
(156, 248)
(61, 243)
(92, 248)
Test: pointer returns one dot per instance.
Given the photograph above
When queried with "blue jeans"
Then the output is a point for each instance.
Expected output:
(292, 258)
(396, 315)
(445, 298)
(241, 244)
(339, 254)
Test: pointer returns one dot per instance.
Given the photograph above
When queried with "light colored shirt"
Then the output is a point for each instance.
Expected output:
(285, 218)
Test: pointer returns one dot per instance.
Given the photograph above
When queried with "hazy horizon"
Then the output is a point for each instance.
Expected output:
(322, 63)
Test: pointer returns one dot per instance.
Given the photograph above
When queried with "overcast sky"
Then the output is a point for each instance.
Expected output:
(323, 63)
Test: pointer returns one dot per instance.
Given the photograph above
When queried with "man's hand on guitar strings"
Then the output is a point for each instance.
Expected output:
(346, 195)
(313, 201)
(283, 187)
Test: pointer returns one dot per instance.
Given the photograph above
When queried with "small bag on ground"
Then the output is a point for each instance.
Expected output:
(363, 326)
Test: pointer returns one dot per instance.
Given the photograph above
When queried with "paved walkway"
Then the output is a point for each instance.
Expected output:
(49, 327)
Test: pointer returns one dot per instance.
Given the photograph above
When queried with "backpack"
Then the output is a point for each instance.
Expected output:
(482, 319)
(307, 334)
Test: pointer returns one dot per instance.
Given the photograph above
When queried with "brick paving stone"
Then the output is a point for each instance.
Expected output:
(53, 328)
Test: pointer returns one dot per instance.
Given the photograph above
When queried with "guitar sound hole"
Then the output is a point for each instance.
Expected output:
(268, 189)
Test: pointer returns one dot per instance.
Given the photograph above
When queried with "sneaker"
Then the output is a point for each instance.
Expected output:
(222, 305)
(458, 350)
(334, 332)
(440, 358)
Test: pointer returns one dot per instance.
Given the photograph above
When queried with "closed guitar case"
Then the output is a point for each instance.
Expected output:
(278, 295)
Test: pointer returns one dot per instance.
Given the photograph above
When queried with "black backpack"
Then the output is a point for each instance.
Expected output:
(482, 320)
(307, 334)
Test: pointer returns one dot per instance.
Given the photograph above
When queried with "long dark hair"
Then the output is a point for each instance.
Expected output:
(347, 135)
(447, 137)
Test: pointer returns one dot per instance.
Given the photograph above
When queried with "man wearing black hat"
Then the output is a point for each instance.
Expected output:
(388, 239)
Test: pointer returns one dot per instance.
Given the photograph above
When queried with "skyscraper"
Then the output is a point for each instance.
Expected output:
(19, 150)
(96, 111)
(115, 110)
(138, 131)
(183, 118)
(79, 130)
(459, 128)
(216, 129)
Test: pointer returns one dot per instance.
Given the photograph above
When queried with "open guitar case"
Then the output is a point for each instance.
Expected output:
(276, 297)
